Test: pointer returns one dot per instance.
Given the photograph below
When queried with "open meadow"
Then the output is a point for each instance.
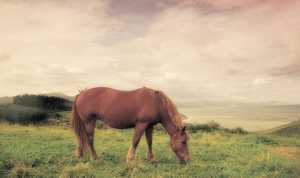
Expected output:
(152, 88)
(47, 151)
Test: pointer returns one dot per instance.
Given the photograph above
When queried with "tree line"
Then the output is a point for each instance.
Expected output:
(43, 102)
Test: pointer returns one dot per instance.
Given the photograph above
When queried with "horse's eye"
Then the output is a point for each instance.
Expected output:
(184, 142)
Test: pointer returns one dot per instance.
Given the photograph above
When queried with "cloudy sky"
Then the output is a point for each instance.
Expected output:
(194, 50)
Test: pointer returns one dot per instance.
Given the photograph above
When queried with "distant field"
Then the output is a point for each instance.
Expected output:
(47, 151)
(252, 117)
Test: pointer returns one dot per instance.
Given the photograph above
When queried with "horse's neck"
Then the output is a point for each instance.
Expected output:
(168, 123)
(170, 127)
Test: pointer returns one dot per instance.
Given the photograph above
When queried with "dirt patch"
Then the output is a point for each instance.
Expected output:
(286, 151)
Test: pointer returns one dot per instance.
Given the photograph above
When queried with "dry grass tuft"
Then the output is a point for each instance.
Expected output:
(287, 151)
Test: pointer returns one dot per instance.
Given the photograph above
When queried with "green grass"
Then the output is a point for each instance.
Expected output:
(47, 151)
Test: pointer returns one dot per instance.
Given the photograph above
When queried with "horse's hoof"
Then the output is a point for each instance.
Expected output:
(94, 158)
(79, 157)
(151, 158)
(130, 158)
(78, 154)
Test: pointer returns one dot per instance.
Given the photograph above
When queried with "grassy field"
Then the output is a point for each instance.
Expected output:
(47, 151)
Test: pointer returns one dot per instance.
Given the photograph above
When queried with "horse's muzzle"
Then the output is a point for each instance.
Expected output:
(185, 161)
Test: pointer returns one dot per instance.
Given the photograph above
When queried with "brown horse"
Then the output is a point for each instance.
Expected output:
(141, 108)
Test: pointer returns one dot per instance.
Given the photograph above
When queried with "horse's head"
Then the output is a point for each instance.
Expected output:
(173, 118)
(180, 146)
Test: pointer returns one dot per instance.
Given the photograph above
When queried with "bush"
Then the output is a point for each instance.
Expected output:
(266, 140)
(214, 126)
(23, 115)
(208, 127)
(237, 130)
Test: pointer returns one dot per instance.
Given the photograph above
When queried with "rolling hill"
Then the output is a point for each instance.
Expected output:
(290, 129)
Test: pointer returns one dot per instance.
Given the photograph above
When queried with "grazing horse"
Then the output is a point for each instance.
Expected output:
(140, 109)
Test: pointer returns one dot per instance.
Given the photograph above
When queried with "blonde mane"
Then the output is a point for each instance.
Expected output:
(169, 108)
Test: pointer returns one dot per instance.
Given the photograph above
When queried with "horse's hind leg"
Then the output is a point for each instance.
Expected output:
(148, 134)
(90, 129)
(79, 150)
(138, 133)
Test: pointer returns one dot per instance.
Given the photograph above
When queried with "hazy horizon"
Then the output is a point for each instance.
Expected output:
(229, 114)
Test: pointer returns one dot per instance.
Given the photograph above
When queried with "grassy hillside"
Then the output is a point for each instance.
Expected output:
(48, 151)
(291, 129)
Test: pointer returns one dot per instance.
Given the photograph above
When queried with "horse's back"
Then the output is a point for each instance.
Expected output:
(120, 109)
(88, 99)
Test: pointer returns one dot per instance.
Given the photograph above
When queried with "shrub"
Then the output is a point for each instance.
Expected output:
(23, 115)
(266, 140)
(214, 126)
(208, 127)
(237, 130)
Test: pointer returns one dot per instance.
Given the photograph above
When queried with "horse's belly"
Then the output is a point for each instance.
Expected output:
(120, 120)
(119, 123)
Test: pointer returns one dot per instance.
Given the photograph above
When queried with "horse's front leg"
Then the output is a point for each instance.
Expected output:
(148, 134)
(138, 133)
